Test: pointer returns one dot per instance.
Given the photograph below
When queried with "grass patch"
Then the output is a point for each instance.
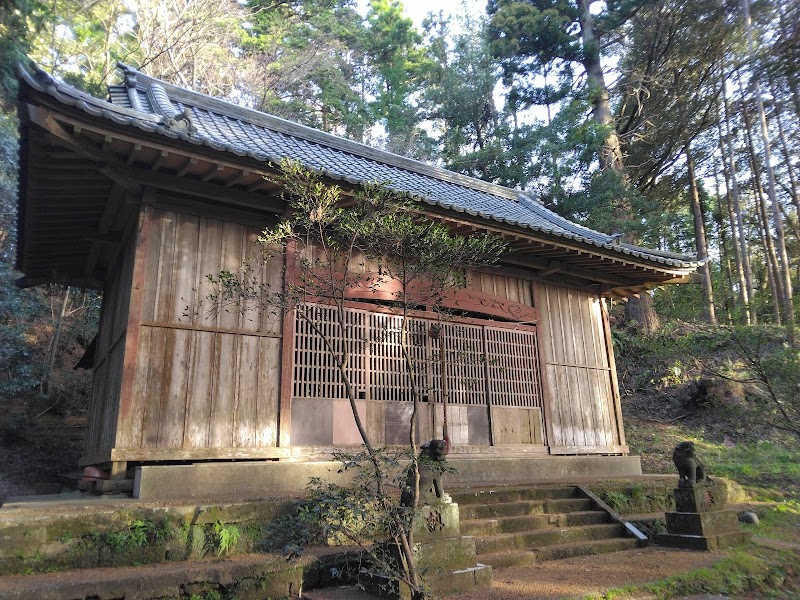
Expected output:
(747, 573)
(779, 522)
(768, 469)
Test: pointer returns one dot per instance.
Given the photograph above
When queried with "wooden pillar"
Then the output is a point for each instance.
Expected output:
(124, 435)
(287, 355)
(613, 366)
(541, 359)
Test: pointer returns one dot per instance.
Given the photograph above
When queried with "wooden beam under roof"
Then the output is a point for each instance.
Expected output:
(561, 244)
(212, 172)
(133, 154)
(257, 185)
(132, 178)
(549, 267)
(190, 162)
(238, 178)
(114, 168)
(634, 265)
(162, 156)
(44, 118)
(211, 191)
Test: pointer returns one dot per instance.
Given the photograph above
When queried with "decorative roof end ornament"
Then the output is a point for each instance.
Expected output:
(172, 117)
(181, 122)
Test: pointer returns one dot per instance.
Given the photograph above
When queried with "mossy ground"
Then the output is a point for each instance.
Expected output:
(659, 377)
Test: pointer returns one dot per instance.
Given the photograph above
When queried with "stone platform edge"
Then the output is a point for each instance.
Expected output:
(249, 479)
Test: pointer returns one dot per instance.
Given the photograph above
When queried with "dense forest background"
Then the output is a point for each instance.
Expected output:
(674, 123)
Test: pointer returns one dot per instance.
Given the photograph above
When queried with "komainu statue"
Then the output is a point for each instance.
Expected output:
(690, 470)
(432, 464)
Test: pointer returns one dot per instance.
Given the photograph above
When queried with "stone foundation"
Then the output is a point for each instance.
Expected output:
(701, 520)
(258, 479)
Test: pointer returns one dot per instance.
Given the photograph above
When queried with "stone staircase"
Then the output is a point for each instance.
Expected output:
(522, 526)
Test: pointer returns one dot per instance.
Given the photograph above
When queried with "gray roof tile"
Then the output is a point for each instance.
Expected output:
(229, 128)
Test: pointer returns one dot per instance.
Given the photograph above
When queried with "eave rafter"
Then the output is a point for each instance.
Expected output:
(135, 162)
(132, 178)
(566, 263)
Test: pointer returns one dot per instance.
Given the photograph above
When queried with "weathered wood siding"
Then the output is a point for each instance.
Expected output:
(176, 380)
(507, 288)
(110, 354)
(583, 401)
(203, 379)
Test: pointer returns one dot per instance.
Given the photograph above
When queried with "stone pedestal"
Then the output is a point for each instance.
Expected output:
(702, 521)
(445, 558)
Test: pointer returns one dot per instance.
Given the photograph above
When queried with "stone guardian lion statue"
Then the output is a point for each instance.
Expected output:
(432, 464)
(690, 470)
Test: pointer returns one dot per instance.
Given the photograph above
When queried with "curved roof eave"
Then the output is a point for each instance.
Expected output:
(546, 221)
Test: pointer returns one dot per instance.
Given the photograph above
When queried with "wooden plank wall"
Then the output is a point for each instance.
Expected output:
(109, 354)
(203, 379)
(582, 416)
(508, 288)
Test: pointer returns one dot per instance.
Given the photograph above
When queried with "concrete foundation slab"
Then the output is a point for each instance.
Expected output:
(258, 479)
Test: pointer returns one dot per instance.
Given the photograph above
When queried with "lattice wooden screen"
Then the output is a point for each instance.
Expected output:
(465, 364)
(513, 369)
(482, 364)
(388, 377)
(316, 374)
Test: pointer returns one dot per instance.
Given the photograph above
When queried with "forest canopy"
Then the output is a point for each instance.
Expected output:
(674, 124)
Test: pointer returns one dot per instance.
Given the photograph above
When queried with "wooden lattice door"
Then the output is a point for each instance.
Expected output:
(491, 380)
(515, 391)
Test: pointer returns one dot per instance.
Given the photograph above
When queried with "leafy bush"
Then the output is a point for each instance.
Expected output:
(222, 538)
(353, 514)
(140, 533)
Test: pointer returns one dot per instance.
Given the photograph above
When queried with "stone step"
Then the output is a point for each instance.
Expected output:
(508, 558)
(528, 540)
(490, 496)
(558, 551)
(481, 527)
(526, 558)
(524, 507)
(247, 576)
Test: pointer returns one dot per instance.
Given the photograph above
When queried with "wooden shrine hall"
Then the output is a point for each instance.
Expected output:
(144, 194)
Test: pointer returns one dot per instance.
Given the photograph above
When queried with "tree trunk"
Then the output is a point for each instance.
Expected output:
(776, 281)
(700, 239)
(641, 311)
(791, 77)
(787, 304)
(747, 290)
(729, 300)
(731, 224)
(611, 154)
(769, 256)
(787, 154)
(53, 350)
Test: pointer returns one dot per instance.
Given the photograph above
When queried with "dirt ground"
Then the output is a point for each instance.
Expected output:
(568, 578)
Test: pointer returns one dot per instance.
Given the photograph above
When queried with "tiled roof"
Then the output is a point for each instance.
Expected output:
(155, 106)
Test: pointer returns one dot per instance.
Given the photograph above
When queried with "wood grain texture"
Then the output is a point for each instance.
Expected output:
(102, 426)
(516, 425)
(579, 374)
(204, 379)
(216, 381)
